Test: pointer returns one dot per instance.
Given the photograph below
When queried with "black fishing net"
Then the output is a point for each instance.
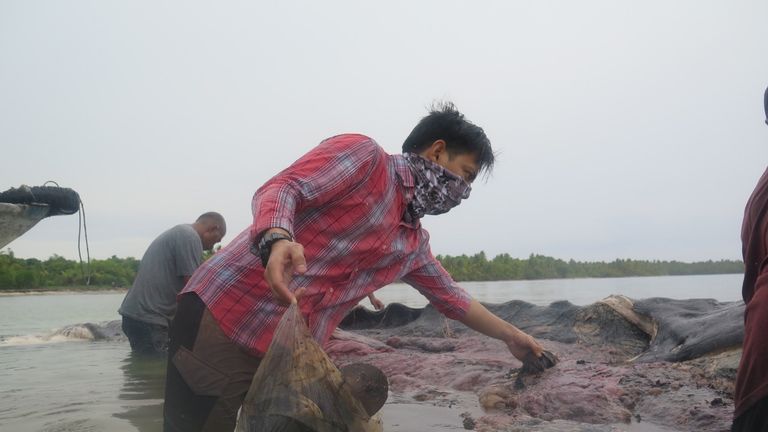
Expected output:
(297, 388)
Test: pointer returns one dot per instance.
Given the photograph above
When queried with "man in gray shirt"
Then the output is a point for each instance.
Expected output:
(165, 268)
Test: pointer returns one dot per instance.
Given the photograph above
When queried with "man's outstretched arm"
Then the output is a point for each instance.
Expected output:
(434, 282)
(519, 343)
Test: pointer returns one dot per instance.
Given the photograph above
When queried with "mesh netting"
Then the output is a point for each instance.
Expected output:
(298, 388)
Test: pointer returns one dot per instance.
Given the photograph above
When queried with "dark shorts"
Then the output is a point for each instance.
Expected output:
(145, 338)
(754, 419)
(208, 374)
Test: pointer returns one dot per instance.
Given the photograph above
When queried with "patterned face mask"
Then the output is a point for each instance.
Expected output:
(437, 190)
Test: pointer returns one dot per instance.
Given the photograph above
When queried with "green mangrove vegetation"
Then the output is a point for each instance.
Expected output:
(60, 273)
(504, 267)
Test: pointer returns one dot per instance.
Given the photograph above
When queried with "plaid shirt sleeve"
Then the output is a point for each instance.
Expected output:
(434, 282)
(328, 171)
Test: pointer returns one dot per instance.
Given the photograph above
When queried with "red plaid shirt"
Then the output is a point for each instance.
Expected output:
(344, 202)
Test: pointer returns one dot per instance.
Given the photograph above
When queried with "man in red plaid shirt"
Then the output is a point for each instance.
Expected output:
(329, 230)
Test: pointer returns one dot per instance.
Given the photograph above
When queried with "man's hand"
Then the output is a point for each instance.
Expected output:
(285, 260)
(376, 303)
(521, 344)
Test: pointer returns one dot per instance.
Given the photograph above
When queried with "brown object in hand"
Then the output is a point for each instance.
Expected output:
(533, 365)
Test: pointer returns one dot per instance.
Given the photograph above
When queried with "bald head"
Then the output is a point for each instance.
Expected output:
(211, 228)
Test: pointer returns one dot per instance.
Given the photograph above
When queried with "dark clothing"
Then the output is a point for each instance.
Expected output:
(145, 338)
(755, 419)
(752, 377)
(208, 374)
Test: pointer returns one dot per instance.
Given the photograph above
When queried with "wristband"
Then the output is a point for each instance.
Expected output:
(265, 245)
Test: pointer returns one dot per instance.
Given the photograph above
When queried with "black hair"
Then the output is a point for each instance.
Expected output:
(461, 136)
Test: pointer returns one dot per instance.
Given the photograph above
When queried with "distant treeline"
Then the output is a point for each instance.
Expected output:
(504, 267)
(58, 272)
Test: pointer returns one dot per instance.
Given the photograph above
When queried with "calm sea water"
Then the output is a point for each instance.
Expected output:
(59, 384)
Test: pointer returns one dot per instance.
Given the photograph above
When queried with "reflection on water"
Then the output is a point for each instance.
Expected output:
(143, 389)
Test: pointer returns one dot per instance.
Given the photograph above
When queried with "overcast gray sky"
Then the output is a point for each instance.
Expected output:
(624, 129)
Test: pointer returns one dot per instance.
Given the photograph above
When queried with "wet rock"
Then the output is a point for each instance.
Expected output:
(497, 397)
(467, 421)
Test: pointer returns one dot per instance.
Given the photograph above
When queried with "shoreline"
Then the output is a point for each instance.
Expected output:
(101, 289)
(68, 291)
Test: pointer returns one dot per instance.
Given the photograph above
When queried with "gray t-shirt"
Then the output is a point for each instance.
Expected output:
(175, 254)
